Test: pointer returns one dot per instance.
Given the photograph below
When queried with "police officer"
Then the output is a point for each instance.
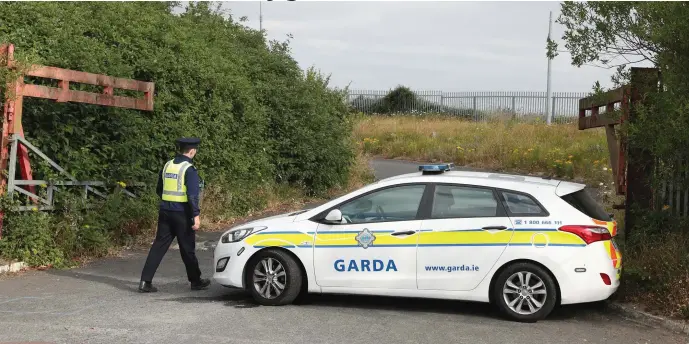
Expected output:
(178, 217)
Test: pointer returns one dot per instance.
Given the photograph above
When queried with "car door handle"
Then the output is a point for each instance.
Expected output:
(403, 233)
(499, 228)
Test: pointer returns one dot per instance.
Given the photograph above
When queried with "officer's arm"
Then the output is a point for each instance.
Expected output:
(159, 186)
(191, 180)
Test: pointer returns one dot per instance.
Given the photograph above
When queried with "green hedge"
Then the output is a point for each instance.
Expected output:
(261, 118)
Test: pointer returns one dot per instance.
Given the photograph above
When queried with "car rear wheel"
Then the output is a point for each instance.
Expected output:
(274, 278)
(525, 292)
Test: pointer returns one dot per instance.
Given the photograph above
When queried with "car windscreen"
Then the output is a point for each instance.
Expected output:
(587, 205)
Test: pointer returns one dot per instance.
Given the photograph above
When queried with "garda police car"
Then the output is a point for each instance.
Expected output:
(525, 244)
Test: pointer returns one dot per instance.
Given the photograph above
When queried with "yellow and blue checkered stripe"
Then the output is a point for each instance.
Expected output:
(426, 237)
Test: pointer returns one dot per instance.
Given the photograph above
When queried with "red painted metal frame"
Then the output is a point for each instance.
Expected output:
(17, 90)
(12, 105)
(617, 146)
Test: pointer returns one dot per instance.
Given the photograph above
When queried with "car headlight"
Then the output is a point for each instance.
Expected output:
(239, 234)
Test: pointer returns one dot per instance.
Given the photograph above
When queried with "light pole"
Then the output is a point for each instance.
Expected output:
(260, 15)
(549, 101)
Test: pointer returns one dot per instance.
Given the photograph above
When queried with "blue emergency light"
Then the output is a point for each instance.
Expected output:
(436, 168)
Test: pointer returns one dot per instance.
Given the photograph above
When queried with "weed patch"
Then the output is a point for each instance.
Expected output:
(656, 265)
(502, 145)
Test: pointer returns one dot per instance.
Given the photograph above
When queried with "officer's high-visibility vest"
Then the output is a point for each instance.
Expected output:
(174, 189)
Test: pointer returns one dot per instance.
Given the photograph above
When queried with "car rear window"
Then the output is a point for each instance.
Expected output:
(519, 204)
(587, 205)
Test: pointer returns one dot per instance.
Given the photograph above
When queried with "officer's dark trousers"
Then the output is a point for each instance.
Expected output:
(173, 224)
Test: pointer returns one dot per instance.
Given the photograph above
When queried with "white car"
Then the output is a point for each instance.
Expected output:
(524, 244)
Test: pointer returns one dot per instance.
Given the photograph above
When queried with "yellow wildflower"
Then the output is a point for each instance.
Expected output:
(122, 184)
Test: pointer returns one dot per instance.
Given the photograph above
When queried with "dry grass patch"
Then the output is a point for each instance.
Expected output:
(501, 145)
(284, 198)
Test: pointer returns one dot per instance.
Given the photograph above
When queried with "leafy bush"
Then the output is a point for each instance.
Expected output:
(76, 228)
(262, 120)
(260, 117)
(656, 264)
(31, 240)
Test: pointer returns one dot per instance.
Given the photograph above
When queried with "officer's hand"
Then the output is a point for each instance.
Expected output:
(197, 223)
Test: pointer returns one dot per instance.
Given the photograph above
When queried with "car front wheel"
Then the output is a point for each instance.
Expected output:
(274, 278)
(525, 292)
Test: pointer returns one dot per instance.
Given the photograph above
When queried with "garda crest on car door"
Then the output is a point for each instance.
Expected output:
(375, 245)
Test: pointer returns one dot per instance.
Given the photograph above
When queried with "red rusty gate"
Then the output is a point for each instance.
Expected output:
(16, 91)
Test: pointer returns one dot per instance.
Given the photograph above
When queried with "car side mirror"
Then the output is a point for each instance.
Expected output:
(334, 215)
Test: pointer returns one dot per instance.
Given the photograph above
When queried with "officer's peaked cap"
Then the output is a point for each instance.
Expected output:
(188, 142)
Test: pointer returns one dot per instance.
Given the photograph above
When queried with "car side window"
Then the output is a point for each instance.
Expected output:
(520, 204)
(451, 201)
(399, 203)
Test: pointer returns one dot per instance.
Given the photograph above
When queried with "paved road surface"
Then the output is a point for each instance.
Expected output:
(99, 304)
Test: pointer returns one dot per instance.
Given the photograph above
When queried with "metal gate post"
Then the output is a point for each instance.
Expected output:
(9, 109)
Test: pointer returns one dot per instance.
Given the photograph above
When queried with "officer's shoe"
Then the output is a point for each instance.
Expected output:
(147, 287)
(200, 284)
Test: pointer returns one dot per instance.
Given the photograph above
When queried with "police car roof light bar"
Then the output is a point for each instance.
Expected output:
(436, 168)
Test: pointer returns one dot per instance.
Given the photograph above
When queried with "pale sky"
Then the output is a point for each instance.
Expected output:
(425, 45)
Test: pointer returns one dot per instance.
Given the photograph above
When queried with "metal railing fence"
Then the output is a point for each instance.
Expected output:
(479, 106)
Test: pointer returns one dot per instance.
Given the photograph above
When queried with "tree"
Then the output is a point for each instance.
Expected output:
(621, 34)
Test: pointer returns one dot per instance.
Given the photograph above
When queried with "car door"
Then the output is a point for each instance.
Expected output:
(375, 245)
(466, 232)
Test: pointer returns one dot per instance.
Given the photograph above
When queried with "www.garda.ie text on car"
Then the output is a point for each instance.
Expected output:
(524, 244)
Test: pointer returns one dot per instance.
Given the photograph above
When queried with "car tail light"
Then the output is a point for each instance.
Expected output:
(589, 234)
(606, 278)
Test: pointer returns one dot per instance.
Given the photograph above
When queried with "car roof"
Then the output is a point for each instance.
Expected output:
(483, 178)
(488, 179)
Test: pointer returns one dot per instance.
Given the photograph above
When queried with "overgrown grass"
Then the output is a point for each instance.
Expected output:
(76, 231)
(501, 145)
(656, 265)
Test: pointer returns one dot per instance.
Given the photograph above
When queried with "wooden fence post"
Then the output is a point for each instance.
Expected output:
(640, 163)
